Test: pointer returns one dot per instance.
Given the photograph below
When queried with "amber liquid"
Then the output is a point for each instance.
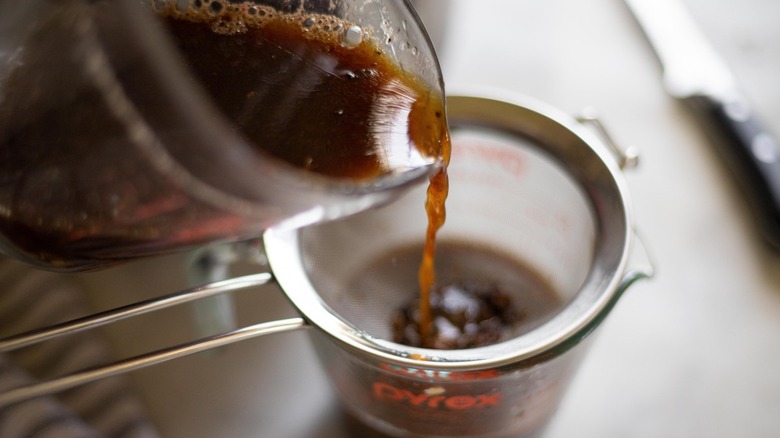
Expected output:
(300, 94)
(436, 212)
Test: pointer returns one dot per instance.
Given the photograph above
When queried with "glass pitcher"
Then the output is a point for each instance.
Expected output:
(113, 146)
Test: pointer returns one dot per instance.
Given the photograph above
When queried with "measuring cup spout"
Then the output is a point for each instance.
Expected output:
(641, 265)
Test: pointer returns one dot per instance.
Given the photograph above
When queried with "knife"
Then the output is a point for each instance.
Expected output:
(695, 74)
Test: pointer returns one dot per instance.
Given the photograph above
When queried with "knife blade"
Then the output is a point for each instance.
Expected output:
(694, 73)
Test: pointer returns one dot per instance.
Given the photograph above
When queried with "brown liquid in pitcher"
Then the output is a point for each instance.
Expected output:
(298, 91)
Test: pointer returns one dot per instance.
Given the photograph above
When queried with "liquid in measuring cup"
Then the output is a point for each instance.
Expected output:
(482, 296)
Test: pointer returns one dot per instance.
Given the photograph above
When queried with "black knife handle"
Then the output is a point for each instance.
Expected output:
(752, 154)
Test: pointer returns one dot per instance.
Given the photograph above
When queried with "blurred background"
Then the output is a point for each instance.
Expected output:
(694, 352)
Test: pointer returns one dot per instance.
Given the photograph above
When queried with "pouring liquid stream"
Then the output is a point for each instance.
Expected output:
(436, 211)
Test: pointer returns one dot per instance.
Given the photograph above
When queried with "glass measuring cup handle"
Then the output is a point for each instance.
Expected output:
(62, 383)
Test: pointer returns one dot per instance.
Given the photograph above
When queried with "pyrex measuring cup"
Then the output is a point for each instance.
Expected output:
(109, 149)
(529, 183)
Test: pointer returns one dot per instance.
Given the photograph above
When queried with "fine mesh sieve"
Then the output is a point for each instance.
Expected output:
(525, 183)
(514, 218)
(530, 186)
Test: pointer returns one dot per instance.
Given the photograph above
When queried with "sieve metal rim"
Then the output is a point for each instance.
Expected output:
(607, 280)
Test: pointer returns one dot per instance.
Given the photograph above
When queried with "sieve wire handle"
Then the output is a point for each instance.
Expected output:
(62, 383)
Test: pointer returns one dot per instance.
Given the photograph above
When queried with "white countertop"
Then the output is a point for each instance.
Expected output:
(695, 352)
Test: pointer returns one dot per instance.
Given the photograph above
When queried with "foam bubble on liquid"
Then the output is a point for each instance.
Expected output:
(352, 37)
(228, 18)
